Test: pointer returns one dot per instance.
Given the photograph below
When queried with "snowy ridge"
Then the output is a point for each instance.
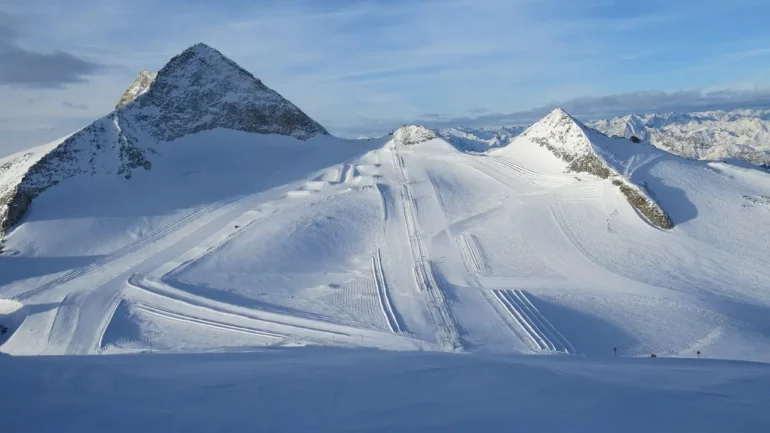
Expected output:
(200, 89)
(140, 85)
(12, 171)
(110, 145)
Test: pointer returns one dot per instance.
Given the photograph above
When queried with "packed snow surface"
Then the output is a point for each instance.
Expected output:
(337, 390)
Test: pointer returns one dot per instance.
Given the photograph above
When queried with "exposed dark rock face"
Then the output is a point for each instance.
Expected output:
(645, 205)
(201, 89)
(15, 206)
(90, 151)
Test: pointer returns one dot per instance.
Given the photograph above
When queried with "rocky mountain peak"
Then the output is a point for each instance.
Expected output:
(140, 85)
(587, 151)
(561, 133)
(413, 134)
(201, 89)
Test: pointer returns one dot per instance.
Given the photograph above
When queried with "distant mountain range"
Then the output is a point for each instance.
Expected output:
(711, 135)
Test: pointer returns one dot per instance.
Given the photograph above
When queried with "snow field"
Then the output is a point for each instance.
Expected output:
(407, 247)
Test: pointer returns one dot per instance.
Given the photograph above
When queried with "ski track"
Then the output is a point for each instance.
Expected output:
(91, 313)
(185, 318)
(188, 300)
(447, 331)
(539, 179)
(124, 251)
(470, 250)
(66, 317)
(158, 235)
(536, 329)
(384, 295)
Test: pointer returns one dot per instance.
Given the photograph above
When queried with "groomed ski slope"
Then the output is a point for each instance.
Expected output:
(341, 390)
(236, 240)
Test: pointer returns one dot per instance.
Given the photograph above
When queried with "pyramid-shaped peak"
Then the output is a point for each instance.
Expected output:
(200, 56)
(557, 122)
(201, 89)
(559, 115)
(202, 48)
(561, 133)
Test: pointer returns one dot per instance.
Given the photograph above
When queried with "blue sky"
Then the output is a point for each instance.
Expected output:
(366, 66)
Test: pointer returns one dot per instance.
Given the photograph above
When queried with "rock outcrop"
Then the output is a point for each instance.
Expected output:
(142, 83)
(409, 135)
(580, 147)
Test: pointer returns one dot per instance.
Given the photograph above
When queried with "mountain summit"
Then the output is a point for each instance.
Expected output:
(584, 150)
(199, 89)
(202, 89)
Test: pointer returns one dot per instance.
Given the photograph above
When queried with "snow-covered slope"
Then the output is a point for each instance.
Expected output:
(585, 151)
(235, 240)
(324, 390)
(713, 135)
(198, 90)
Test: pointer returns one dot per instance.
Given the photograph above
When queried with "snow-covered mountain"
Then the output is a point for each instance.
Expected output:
(198, 90)
(712, 135)
(586, 151)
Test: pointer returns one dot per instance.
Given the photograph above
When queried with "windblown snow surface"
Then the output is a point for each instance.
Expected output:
(327, 390)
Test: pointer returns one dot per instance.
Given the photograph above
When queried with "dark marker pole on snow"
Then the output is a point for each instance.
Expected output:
(615, 351)
(699, 354)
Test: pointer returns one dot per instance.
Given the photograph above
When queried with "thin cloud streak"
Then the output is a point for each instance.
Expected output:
(23, 67)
